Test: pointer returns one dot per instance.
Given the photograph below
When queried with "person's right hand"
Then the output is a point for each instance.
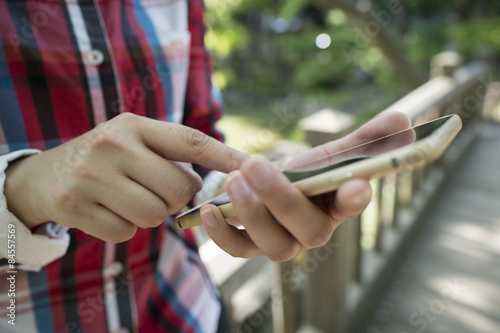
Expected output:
(115, 178)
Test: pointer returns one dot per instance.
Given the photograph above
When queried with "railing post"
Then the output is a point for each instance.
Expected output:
(378, 215)
(325, 269)
(326, 125)
(284, 298)
(491, 107)
(445, 63)
(395, 201)
(354, 251)
(324, 294)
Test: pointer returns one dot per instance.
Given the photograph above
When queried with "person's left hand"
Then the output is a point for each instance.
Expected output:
(278, 220)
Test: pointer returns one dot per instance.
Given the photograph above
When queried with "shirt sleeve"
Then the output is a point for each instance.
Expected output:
(20, 248)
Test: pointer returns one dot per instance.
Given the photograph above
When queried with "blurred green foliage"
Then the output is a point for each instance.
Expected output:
(474, 35)
(267, 49)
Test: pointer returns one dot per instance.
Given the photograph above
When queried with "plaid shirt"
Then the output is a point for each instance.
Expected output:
(66, 66)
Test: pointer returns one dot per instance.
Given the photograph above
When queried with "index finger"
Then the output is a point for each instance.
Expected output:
(184, 144)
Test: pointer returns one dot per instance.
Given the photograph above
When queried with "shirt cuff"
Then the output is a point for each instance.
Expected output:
(19, 247)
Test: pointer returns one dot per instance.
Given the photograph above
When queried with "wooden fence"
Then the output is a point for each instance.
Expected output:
(324, 289)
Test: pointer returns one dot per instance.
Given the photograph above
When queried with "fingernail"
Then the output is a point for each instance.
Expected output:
(209, 217)
(237, 187)
(260, 173)
(362, 197)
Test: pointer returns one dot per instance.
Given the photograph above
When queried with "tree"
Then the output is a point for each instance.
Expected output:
(375, 25)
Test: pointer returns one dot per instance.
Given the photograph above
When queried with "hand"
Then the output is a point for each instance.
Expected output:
(278, 220)
(126, 173)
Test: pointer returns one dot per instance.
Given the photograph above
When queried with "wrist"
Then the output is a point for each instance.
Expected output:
(18, 192)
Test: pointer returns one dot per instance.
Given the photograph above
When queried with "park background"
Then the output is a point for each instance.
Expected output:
(280, 62)
(296, 57)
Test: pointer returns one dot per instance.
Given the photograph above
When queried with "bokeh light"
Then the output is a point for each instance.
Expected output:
(323, 41)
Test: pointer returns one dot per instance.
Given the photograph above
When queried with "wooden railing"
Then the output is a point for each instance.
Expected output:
(323, 289)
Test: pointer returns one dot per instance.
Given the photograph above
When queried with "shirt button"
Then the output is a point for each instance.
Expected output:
(113, 270)
(94, 57)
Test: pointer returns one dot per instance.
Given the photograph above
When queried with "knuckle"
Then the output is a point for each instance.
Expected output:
(113, 133)
(288, 199)
(236, 250)
(64, 201)
(286, 254)
(86, 173)
(159, 216)
(107, 137)
(197, 141)
(126, 117)
(232, 164)
(321, 236)
(181, 196)
(61, 196)
(127, 231)
(185, 193)
(339, 217)
(349, 216)
(233, 159)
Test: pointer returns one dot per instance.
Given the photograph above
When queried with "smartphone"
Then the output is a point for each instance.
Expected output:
(314, 174)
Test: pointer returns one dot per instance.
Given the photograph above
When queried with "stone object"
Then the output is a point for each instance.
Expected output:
(326, 125)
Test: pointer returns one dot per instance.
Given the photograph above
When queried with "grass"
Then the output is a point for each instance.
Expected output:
(254, 124)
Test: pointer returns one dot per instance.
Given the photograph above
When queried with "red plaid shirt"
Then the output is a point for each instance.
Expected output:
(66, 66)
